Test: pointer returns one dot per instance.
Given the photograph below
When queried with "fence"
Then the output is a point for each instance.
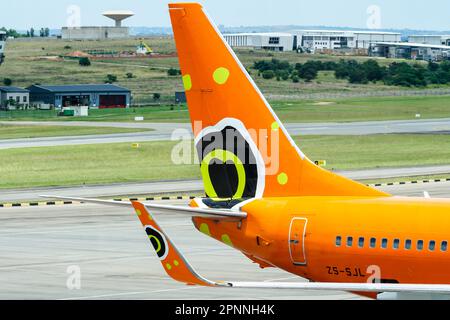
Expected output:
(385, 93)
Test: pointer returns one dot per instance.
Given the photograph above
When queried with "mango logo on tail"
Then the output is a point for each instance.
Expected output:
(231, 164)
(158, 242)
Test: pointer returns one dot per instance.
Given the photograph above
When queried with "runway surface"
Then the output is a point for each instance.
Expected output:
(108, 245)
(163, 131)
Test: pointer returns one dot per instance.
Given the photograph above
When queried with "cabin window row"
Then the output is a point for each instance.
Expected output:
(394, 244)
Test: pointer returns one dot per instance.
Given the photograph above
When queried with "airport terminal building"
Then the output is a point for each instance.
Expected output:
(265, 41)
(342, 39)
(99, 96)
(311, 40)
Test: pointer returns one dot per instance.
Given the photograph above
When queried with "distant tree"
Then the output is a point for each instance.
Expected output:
(110, 78)
(32, 32)
(173, 72)
(433, 66)
(374, 72)
(85, 62)
(129, 75)
(7, 82)
(284, 74)
(357, 75)
(156, 96)
(47, 32)
(404, 74)
(268, 74)
(309, 70)
(11, 33)
(295, 79)
(42, 32)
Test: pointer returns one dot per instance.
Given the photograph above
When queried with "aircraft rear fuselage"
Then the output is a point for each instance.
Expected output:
(344, 239)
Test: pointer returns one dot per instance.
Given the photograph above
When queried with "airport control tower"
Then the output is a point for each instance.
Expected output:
(2, 46)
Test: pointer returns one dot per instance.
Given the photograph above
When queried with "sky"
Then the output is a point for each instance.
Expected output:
(384, 14)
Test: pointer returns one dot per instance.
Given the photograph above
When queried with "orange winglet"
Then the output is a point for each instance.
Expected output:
(172, 261)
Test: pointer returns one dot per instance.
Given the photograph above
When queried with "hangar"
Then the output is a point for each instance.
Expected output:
(95, 96)
(408, 50)
(434, 39)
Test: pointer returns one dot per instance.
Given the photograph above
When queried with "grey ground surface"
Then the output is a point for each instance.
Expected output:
(163, 131)
(39, 244)
(188, 187)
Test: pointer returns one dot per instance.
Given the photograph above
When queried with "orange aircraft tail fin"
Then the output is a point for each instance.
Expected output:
(244, 149)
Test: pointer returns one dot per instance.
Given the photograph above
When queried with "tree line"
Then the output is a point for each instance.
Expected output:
(396, 74)
(43, 32)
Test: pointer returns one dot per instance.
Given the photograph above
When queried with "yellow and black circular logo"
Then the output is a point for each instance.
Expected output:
(158, 242)
(229, 166)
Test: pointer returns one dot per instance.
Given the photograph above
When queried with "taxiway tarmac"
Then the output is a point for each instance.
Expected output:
(38, 246)
(191, 187)
(164, 131)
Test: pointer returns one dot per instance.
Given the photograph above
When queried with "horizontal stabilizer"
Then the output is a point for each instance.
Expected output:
(163, 208)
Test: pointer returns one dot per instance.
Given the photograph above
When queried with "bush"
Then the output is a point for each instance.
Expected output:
(173, 72)
(85, 62)
(403, 74)
(357, 75)
(156, 96)
(129, 75)
(110, 78)
(295, 79)
(7, 82)
(268, 74)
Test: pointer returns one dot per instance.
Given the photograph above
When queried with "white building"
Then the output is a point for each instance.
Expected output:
(266, 41)
(437, 40)
(12, 97)
(342, 39)
(2, 45)
(94, 33)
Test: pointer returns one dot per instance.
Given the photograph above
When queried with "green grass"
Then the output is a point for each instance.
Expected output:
(111, 163)
(11, 131)
(330, 110)
(150, 114)
(364, 109)
(377, 151)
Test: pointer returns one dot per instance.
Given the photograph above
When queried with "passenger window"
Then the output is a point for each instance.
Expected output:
(338, 241)
(396, 244)
(361, 242)
(373, 242)
(349, 241)
(444, 246)
(408, 244)
(420, 245)
(384, 243)
(432, 245)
